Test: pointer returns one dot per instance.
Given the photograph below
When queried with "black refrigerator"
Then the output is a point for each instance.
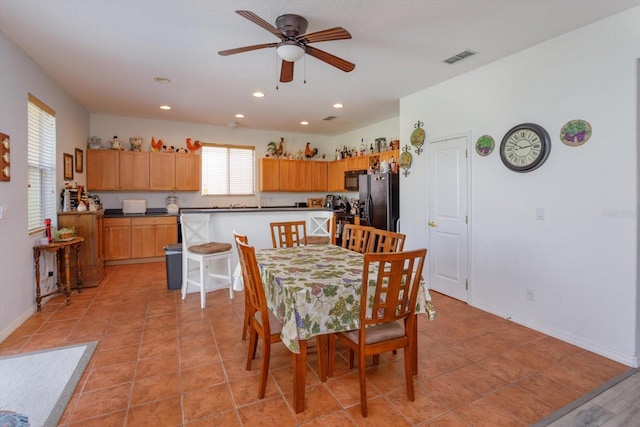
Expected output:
(380, 200)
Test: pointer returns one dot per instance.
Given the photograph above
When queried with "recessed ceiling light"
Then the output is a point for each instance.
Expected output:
(239, 116)
(258, 94)
(165, 107)
(338, 105)
(304, 123)
(162, 80)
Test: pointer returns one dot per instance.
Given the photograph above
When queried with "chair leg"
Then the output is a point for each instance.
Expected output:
(264, 373)
(185, 275)
(322, 356)
(408, 372)
(363, 384)
(230, 274)
(203, 297)
(350, 359)
(253, 343)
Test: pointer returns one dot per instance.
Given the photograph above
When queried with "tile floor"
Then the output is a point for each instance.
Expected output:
(164, 362)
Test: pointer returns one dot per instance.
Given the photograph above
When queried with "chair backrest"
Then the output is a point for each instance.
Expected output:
(288, 233)
(195, 229)
(385, 241)
(321, 227)
(356, 237)
(243, 238)
(390, 283)
(254, 290)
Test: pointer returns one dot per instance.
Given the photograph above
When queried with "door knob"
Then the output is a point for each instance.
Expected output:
(432, 224)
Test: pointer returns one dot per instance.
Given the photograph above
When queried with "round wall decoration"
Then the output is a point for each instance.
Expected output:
(417, 137)
(485, 145)
(575, 132)
(405, 159)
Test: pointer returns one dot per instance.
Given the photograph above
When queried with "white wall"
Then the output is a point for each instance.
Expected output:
(20, 76)
(175, 133)
(581, 261)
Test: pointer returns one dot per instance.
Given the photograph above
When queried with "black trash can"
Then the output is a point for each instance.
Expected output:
(174, 266)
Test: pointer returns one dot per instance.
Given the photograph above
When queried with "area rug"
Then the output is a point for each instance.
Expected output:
(585, 398)
(38, 385)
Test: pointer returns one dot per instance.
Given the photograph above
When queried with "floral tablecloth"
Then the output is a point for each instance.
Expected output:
(315, 290)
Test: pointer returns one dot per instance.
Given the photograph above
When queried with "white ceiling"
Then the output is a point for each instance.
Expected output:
(106, 53)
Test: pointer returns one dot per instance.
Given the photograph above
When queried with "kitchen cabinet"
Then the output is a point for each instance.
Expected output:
(162, 171)
(336, 172)
(150, 235)
(304, 181)
(386, 155)
(103, 170)
(117, 239)
(89, 226)
(188, 174)
(269, 174)
(134, 170)
(319, 176)
(138, 238)
(111, 170)
(289, 175)
(357, 163)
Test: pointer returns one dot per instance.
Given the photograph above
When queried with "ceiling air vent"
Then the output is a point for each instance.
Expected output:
(459, 56)
(329, 118)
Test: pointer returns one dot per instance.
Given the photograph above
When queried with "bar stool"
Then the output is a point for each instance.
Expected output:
(198, 250)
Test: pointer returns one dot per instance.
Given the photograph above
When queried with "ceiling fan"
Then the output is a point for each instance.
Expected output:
(294, 43)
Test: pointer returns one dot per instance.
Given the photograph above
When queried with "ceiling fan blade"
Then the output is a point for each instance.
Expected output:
(246, 49)
(261, 22)
(330, 59)
(336, 33)
(286, 72)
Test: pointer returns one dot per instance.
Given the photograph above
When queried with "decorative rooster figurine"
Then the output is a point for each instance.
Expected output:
(310, 152)
(193, 147)
(156, 145)
(280, 150)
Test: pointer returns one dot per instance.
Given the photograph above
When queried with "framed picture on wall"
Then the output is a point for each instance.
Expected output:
(68, 166)
(79, 162)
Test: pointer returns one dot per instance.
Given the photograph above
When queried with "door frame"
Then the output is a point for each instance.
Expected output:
(468, 164)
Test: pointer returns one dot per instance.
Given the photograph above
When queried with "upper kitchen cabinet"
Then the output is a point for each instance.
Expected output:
(188, 174)
(319, 177)
(134, 170)
(269, 174)
(358, 163)
(103, 170)
(289, 175)
(336, 172)
(162, 171)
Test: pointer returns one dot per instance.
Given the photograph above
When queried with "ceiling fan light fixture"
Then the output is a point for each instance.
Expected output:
(290, 51)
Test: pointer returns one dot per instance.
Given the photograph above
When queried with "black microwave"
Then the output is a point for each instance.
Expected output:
(351, 179)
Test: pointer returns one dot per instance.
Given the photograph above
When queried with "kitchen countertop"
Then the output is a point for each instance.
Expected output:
(117, 213)
(250, 209)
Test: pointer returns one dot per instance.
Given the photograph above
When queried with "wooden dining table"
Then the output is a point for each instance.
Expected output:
(315, 290)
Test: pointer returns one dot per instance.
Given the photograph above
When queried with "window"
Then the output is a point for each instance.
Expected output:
(227, 170)
(41, 163)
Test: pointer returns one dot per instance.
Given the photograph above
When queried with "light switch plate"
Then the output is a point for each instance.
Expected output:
(540, 214)
(3, 212)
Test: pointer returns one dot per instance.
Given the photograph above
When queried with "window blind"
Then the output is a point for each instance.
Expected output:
(41, 163)
(227, 170)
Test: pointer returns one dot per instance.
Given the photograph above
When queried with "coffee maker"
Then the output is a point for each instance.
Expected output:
(328, 201)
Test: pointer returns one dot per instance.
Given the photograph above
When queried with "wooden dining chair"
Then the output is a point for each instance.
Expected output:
(262, 323)
(390, 283)
(286, 234)
(247, 310)
(356, 237)
(385, 241)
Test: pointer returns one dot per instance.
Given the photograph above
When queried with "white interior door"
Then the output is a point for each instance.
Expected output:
(448, 216)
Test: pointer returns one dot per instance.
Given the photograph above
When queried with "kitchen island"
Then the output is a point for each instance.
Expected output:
(250, 221)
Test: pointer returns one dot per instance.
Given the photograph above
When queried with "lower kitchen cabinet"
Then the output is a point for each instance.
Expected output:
(90, 226)
(117, 239)
(138, 238)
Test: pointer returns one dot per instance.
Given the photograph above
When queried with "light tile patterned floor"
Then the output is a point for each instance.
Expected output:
(162, 361)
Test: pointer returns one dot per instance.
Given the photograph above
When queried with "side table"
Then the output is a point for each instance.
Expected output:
(62, 251)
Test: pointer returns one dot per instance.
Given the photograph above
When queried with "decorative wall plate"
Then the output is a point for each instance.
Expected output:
(405, 159)
(575, 132)
(417, 137)
(485, 145)
(5, 159)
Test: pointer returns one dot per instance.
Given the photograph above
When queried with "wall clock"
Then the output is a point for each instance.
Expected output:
(525, 147)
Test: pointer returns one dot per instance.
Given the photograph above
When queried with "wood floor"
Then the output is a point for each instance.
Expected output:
(161, 361)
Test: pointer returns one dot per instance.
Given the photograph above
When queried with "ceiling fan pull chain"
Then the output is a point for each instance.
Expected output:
(304, 66)
(277, 60)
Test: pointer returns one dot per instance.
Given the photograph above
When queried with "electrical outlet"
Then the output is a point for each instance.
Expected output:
(50, 274)
(531, 295)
